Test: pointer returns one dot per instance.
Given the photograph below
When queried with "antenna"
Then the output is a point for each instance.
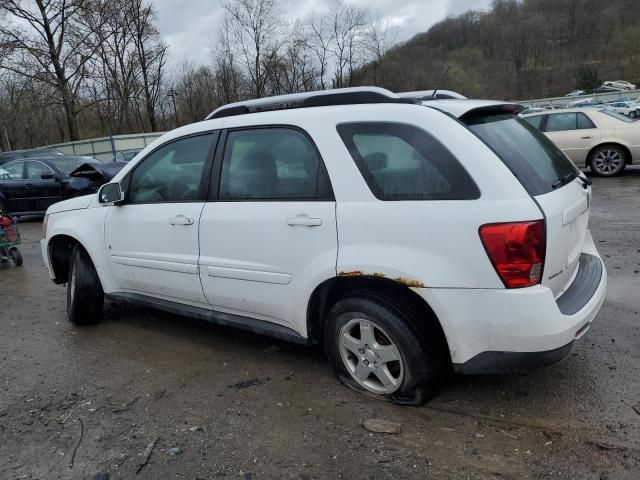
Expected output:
(444, 75)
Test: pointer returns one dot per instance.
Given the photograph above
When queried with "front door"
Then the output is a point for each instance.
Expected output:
(43, 192)
(152, 239)
(270, 229)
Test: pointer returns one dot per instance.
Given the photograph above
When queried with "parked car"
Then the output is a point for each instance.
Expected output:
(606, 89)
(620, 84)
(260, 217)
(34, 153)
(601, 139)
(32, 185)
(576, 93)
(125, 155)
(630, 109)
(429, 95)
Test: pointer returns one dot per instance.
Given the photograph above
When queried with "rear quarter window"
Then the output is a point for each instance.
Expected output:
(527, 152)
(403, 162)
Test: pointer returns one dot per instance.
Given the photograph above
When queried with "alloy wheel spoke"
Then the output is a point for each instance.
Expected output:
(351, 344)
(367, 336)
(361, 371)
(387, 353)
(384, 375)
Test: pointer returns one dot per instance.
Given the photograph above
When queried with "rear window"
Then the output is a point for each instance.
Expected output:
(616, 115)
(403, 162)
(529, 154)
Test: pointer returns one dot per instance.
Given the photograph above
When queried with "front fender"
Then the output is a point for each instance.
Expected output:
(87, 228)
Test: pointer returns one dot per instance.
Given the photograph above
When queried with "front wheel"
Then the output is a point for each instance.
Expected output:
(607, 161)
(375, 345)
(85, 297)
(16, 256)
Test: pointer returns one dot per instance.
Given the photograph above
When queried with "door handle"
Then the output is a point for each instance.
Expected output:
(587, 138)
(181, 220)
(28, 185)
(304, 221)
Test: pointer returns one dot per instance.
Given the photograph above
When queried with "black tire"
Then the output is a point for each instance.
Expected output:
(613, 151)
(423, 350)
(85, 297)
(16, 256)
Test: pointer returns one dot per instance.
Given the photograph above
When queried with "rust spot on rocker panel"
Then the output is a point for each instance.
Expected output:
(407, 282)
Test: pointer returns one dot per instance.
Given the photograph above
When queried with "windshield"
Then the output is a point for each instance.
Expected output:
(68, 165)
(619, 116)
(531, 156)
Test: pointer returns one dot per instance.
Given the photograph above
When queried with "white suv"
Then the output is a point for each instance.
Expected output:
(406, 239)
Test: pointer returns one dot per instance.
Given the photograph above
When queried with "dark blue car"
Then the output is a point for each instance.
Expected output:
(30, 186)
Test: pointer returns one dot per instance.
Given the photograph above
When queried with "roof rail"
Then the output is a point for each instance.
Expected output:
(322, 98)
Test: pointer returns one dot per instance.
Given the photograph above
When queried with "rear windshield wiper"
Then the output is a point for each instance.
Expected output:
(564, 180)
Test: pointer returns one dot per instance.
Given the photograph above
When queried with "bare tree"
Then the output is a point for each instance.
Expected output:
(379, 38)
(152, 55)
(49, 44)
(347, 23)
(256, 32)
(319, 39)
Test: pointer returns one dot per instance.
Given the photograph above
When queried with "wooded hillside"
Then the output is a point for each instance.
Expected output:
(520, 49)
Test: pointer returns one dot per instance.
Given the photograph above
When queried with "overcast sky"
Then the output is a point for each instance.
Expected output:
(190, 26)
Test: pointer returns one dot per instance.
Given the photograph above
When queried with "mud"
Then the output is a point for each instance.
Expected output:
(199, 401)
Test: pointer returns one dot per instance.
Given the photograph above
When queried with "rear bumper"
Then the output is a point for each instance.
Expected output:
(514, 362)
(513, 330)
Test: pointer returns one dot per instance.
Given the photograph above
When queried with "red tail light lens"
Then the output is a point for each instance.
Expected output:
(516, 250)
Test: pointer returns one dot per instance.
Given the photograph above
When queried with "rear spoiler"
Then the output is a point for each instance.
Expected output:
(463, 109)
(505, 108)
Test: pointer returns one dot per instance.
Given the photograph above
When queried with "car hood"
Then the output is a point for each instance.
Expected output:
(98, 171)
(76, 203)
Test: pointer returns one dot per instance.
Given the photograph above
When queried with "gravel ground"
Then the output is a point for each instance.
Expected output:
(210, 402)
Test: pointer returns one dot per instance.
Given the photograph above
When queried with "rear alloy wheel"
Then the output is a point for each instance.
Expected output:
(371, 357)
(85, 297)
(379, 345)
(608, 161)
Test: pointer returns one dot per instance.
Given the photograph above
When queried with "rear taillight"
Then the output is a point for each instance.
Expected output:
(516, 251)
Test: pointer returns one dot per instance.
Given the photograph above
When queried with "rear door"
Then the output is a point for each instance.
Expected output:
(574, 133)
(43, 192)
(270, 227)
(553, 182)
(14, 194)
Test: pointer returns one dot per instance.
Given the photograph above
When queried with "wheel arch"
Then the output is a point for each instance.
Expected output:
(612, 143)
(59, 249)
(331, 290)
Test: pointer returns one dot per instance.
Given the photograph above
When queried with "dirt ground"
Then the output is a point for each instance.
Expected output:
(76, 402)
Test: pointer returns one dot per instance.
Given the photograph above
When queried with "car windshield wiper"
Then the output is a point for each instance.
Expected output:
(564, 180)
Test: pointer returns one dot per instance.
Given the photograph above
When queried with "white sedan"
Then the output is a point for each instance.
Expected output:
(621, 84)
(630, 109)
(601, 139)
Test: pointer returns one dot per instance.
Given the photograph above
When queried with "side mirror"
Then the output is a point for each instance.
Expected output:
(110, 194)
(49, 176)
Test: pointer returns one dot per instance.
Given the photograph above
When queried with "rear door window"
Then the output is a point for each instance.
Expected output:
(276, 163)
(15, 170)
(403, 162)
(528, 153)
